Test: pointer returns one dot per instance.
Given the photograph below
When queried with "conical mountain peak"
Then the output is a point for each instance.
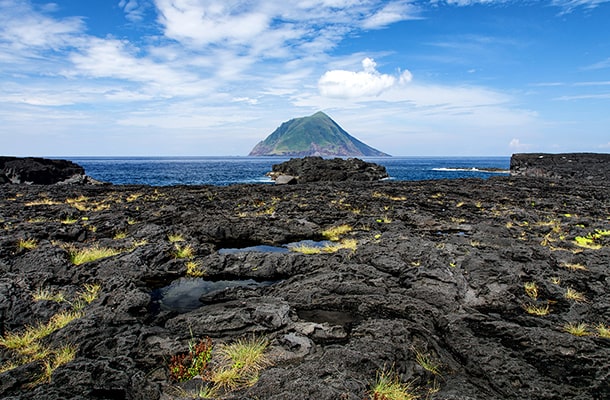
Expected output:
(316, 135)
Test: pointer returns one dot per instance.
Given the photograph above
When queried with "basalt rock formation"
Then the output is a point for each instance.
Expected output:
(465, 289)
(42, 171)
(590, 166)
(318, 169)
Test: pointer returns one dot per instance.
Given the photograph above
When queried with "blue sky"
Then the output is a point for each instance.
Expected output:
(214, 77)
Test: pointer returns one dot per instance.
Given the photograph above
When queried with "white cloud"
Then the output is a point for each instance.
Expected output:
(368, 82)
(516, 145)
(133, 11)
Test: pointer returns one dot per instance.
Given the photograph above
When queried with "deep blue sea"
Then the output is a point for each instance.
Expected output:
(222, 171)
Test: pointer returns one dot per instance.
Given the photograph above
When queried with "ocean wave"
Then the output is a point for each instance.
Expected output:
(473, 169)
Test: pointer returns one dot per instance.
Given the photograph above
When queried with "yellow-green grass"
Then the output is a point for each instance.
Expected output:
(90, 293)
(69, 221)
(20, 341)
(241, 363)
(193, 268)
(427, 362)
(175, 237)
(120, 235)
(574, 295)
(183, 251)
(58, 358)
(27, 244)
(603, 331)
(538, 310)
(350, 244)
(576, 328)
(334, 233)
(43, 294)
(389, 387)
(574, 267)
(85, 255)
(42, 202)
(531, 289)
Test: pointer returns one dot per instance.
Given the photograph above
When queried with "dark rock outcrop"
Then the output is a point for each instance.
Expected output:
(42, 171)
(318, 169)
(466, 289)
(589, 166)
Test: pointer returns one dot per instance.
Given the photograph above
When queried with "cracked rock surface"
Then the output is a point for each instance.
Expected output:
(441, 271)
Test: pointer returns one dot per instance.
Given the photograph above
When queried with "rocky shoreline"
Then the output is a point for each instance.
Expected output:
(463, 289)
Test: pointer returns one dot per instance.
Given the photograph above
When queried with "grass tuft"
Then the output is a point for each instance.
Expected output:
(603, 331)
(334, 233)
(389, 387)
(85, 255)
(193, 268)
(183, 251)
(531, 289)
(175, 237)
(538, 310)
(427, 363)
(241, 363)
(27, 244)
(576, 329)
(46, 295)
(574, 295)
(350, 244)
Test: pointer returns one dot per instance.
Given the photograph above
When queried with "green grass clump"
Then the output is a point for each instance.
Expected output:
(576, 329)
(334, 233)
(19, 341)
(241, 363)
(85, 255)
(57, 358)
(538, 310)
(46, 295)
(27, 244)
(183, 251)
(389, 387)
(574, 295)
(90, 293)
(531, 289)
(427, 362)
(603, 331)
(350, 244)
(193, 268)
(175, 237)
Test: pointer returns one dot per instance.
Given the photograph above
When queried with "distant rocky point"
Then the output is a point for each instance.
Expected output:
(316, 135)
(589, 166)
(42, 171)
(318, 169)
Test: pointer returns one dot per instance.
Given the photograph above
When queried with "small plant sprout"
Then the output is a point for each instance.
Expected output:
(334, 233)
(576, 329)
(183, 251)
(120, 235)
(538, 310)
(531, 289)
(186, 366)
(603, 331)
(426, 362)
(69, 221)
(555, 280)
(574, 295)
(389, 387)
(27, 244)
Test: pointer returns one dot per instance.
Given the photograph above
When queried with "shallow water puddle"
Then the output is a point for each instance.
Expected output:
(286, 248)
(183, 294)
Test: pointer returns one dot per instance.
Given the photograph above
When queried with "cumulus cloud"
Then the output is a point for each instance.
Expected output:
(368, 82)
(516, 145)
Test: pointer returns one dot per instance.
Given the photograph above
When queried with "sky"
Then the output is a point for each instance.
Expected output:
(215, 77)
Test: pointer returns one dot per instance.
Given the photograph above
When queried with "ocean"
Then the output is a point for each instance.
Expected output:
(222, 171)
